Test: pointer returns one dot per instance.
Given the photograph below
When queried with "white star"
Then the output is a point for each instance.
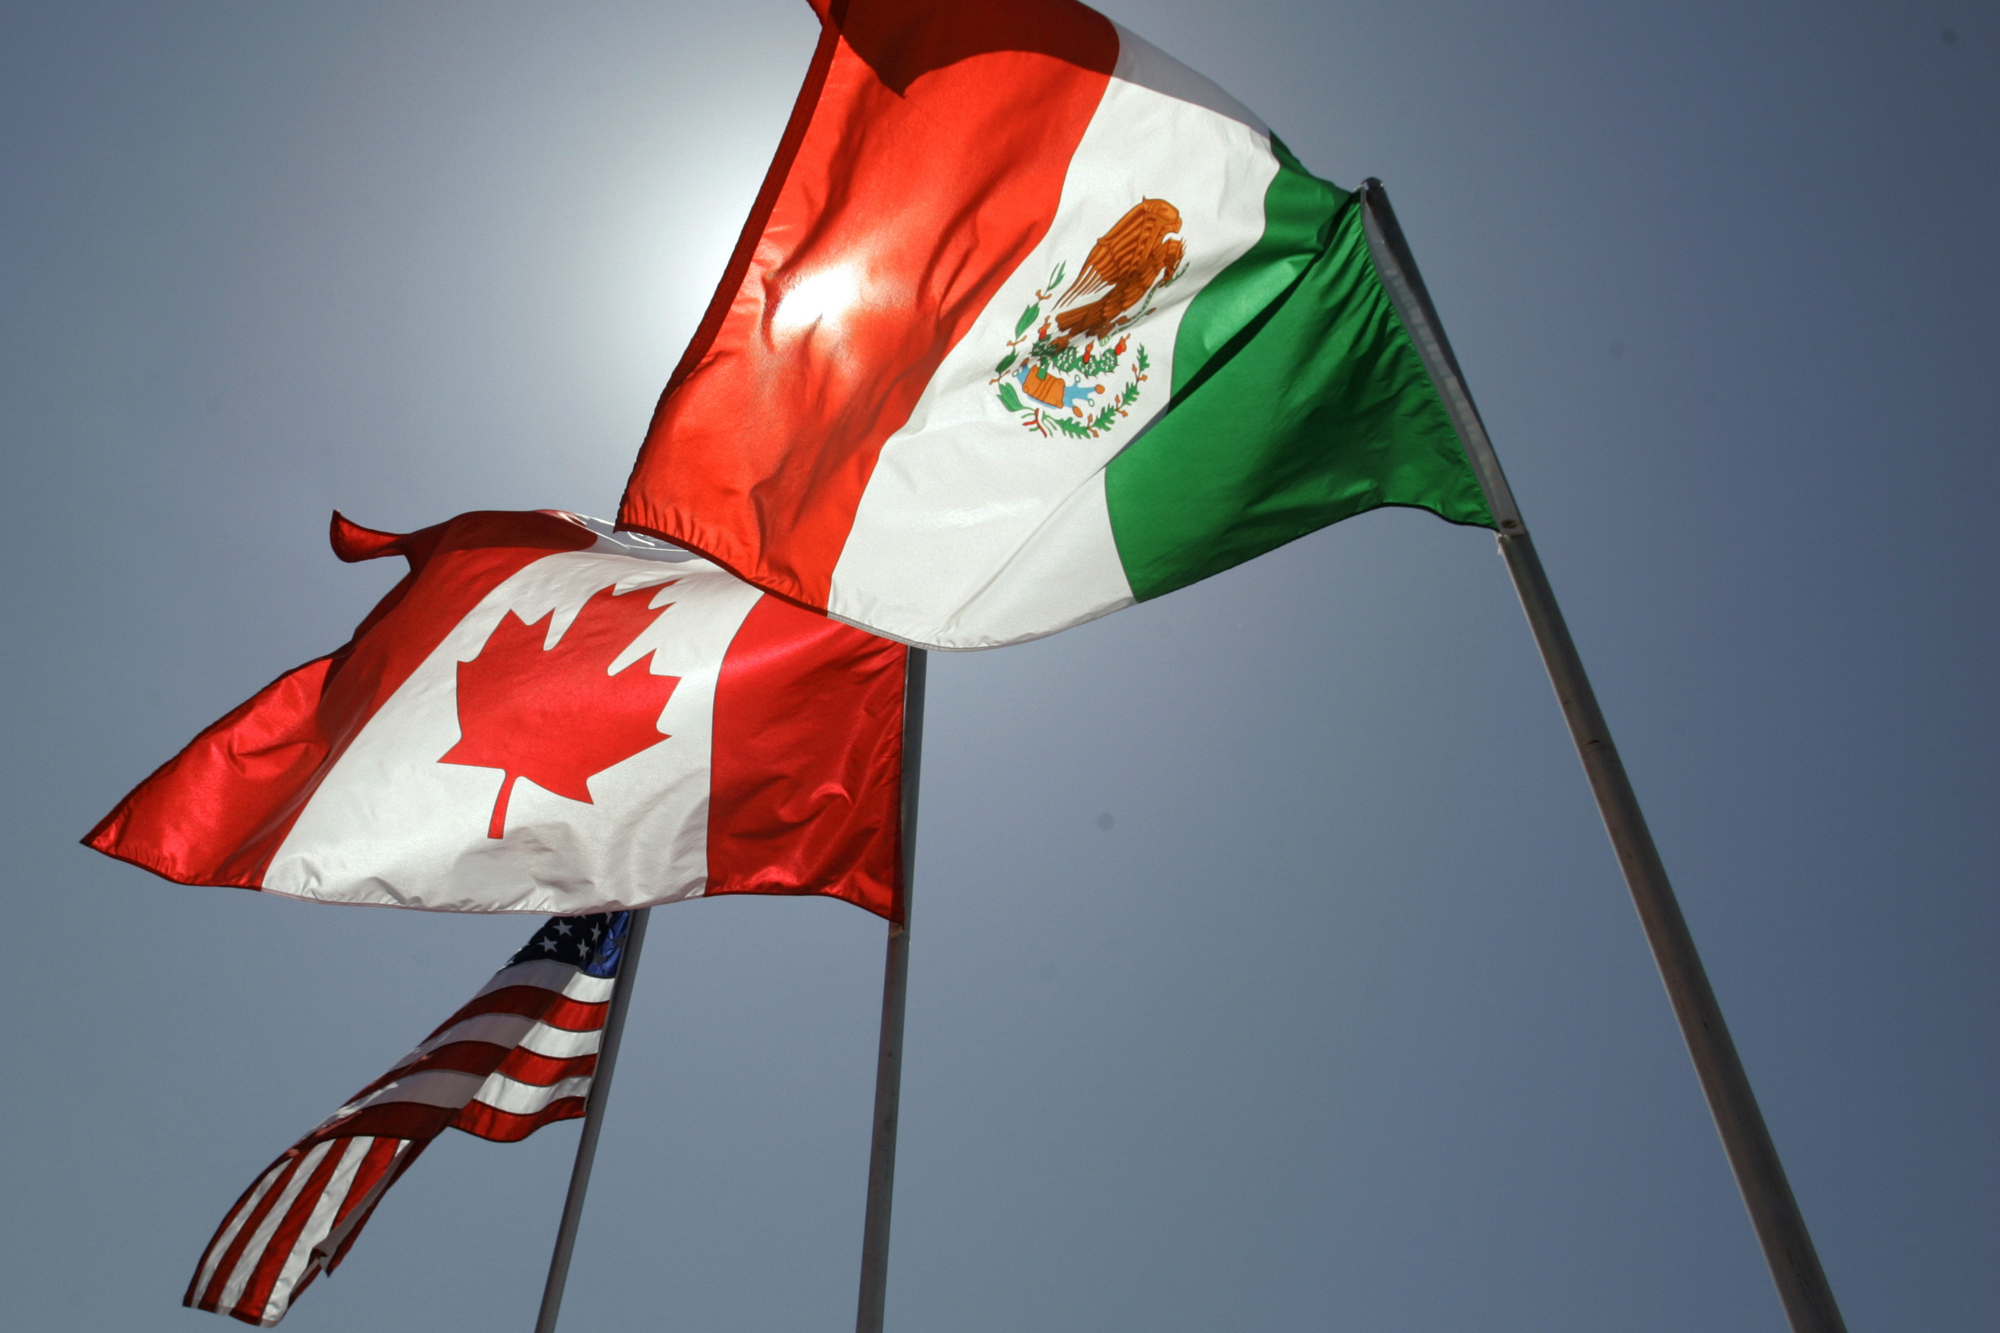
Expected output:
(562, 927)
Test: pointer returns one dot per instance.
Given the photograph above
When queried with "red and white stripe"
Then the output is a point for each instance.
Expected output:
(280, 1234)
(519, 1055)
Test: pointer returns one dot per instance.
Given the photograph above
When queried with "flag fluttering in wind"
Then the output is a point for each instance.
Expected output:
(519, 1055)
(546, 716)
(1030, 322)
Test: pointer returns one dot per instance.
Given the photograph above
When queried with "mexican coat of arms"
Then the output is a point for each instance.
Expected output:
(1076, 372)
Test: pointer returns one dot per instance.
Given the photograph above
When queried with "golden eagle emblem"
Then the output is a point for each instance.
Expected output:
(1056, 386)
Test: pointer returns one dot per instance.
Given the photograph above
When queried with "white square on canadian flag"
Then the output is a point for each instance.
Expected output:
(369, 832)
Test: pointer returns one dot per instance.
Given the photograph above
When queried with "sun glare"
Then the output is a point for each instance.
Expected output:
(822, 298)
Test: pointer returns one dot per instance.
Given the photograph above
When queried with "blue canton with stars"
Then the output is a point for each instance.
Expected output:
(594, 943)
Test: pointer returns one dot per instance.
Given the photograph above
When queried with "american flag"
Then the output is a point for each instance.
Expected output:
(518, 1056)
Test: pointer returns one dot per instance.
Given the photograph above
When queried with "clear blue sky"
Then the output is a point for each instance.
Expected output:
(1271, 970)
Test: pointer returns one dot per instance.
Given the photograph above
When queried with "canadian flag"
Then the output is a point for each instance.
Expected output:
(546, 716)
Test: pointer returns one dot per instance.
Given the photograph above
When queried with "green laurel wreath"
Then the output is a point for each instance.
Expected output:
(1067, 361)
(1041, 420)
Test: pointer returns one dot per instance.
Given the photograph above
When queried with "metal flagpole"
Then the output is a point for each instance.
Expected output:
(593, 1123)
(1781, 1230)
(889, 1057)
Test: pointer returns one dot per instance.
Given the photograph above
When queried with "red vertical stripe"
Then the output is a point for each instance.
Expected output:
(257, 1291)
(212, 1295)
(267, 749)
(537, 1002)
(924, 160)
(381, 1156)
(196, 1293)
(807, 761)
(490, 1122)
(525, 1066)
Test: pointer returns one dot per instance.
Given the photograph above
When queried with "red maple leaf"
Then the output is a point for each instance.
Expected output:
(558, 717)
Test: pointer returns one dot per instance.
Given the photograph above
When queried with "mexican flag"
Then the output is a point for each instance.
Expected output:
(546, 716)
(1031, 322)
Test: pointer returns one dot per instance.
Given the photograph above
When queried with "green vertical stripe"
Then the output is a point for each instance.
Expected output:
(1299, 209)
(1299, 400)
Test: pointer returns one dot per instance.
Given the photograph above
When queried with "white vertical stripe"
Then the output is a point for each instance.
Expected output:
(493, 1029)
(1073, 550)
(315, 1229)
(232, 1290)
(518, 1098)
(511, 1030)
(561, 1043)
(1140, 62)
(427, 1087)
